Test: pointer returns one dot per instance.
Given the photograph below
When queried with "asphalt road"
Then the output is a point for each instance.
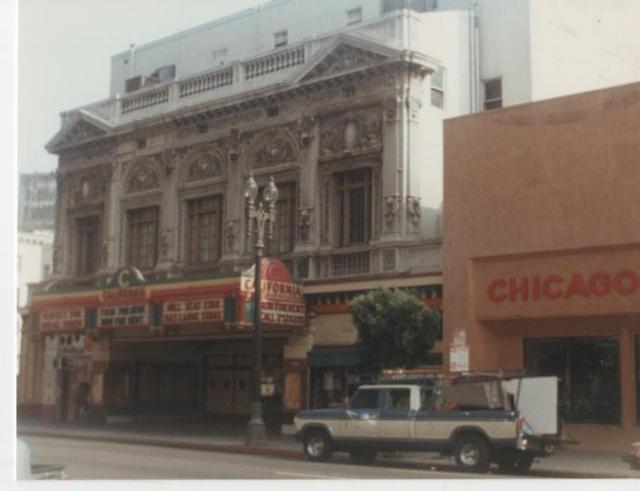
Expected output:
(99, 460)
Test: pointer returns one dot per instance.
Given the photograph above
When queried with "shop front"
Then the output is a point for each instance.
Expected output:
(573, 315)
(542, 252)
(173, 348)
(335, 374)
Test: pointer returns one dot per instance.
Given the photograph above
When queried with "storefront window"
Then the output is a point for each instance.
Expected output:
(589, 372)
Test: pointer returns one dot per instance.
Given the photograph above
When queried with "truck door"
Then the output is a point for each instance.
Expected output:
(395, 420)
(363, 411)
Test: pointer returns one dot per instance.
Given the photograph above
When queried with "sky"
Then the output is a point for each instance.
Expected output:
(65, 49)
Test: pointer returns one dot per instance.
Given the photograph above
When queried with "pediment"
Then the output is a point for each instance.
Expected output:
(346, 55)
(77, 129)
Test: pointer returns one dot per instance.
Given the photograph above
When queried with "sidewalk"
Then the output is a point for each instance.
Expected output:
(211, 436)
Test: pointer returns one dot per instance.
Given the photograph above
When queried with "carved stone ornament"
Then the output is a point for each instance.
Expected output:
(351, 133)
(414, 210)
(305, 129)
(305, 217)
(342, 59)
(389, 260)
(391, 107)
(88, 185)
(168, 158)
(165, 244)
(205, 162)
(392, 208)
(105, 253)
(274, 147)
(80, 132)
(143, 177)
(57, 259)
(414, 105)
(233, 144)
(230, 232)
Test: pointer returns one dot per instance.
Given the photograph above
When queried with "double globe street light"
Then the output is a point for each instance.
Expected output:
(264, 214)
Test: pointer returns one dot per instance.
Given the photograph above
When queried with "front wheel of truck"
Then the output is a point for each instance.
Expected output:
(472, 453)
(317, 446)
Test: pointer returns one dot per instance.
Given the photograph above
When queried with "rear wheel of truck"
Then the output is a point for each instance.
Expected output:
(317, 446)
(472, 453)
(362, 456)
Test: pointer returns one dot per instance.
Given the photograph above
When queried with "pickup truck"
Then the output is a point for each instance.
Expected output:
(473, 419)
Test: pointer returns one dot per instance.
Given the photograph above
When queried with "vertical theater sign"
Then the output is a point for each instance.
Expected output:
(282, 303)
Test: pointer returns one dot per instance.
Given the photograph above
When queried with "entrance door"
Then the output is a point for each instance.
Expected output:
(220, 387)
(242, 399)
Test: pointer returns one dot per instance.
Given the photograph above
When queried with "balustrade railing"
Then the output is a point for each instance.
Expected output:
(206, 82)
(145, 99)
(274, 62)
(350, 263)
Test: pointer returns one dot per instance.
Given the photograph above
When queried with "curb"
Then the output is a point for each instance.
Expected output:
(212, 447)
(277, 452)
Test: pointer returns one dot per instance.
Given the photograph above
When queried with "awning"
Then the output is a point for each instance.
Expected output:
(334, 356)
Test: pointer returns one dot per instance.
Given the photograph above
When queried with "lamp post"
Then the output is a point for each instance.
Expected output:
(264, 214)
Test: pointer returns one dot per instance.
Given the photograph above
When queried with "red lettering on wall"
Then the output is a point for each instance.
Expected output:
(515, 289)
(536, 288)
(600, 284)
(577, 286)
(626, 282)
(494, 295)
(546, 286)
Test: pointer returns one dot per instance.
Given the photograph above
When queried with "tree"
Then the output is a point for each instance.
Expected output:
(395, 329)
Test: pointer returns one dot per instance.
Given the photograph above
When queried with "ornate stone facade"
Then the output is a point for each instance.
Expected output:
(344, 58)
(352, 132)
(143, 176)
(274, 147)
(204, 162)
(87, 185)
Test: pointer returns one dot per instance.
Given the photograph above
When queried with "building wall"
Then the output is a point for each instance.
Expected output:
(36, 202)
(505, 48)
(245, 34)
(581, 45)
(538, 190)
(34, 265)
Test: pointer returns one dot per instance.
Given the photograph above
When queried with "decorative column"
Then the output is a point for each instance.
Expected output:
(109, 254)
(169, 217)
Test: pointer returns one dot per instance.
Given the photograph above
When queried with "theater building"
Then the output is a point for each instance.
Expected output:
(542, 252)
(147, 312)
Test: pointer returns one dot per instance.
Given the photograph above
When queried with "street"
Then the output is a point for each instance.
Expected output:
(99, 460)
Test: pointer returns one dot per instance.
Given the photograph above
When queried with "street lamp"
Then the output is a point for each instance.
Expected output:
(264, 213)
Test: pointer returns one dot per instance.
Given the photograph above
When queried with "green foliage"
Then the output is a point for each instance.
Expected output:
(396, 330)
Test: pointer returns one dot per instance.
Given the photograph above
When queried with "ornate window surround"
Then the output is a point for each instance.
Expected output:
(73, 215)
(190, 156)
(328, 194)
(269, 135)
(194, 192)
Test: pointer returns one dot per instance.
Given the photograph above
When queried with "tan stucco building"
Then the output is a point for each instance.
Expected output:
(542, 251)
